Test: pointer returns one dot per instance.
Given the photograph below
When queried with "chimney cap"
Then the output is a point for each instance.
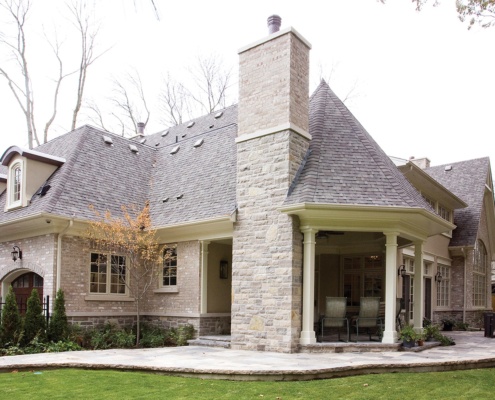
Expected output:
(140, 128)
(274, 21)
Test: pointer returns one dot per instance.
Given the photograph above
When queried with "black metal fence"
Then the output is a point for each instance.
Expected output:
(22, 305)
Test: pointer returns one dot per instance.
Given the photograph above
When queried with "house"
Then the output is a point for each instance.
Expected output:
(267, 207)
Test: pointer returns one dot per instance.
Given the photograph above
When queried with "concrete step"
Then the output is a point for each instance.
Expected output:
(211, 341)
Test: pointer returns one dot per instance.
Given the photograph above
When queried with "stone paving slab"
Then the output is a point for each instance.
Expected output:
(472, 350)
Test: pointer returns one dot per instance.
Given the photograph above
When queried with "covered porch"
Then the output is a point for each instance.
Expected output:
(351, 252)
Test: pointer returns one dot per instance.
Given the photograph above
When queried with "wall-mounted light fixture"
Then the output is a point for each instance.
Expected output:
(16, 253)
(402, 270)
(438, 277)
(224, 269)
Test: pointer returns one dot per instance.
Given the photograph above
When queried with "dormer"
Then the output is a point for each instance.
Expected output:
(27, 171)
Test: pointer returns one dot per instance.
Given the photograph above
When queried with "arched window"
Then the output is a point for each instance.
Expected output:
(16, 184)
(480, 268)
(169, 277)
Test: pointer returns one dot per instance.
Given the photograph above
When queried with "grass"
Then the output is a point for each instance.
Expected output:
(96, 384)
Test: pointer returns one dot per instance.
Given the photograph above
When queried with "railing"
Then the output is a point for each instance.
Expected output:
(22, 305)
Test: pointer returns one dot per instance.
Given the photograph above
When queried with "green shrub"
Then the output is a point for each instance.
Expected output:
(61, 345)
(34, 321)
(110, 336)
(11, 320)
(180, 336)
(152, 336)
(58, 328)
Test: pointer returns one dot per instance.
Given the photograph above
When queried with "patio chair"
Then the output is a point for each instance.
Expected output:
(368, 317)
(335, 316)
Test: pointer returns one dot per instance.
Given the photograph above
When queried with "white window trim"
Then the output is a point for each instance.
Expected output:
(91, 296)
(11, 204)
(168, 288)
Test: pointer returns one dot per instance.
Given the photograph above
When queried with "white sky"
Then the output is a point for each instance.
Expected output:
(424, 86)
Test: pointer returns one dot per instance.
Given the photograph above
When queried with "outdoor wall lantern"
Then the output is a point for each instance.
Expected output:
(402, 270)
(16, 253)
(224, 269)
(438, 277)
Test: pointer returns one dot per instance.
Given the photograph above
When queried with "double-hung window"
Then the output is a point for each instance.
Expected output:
(169, 276)
(480, 269)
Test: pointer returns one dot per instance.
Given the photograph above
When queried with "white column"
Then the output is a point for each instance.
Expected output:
(204, 277)
(389, 333)
(418, 290)
(308, 332)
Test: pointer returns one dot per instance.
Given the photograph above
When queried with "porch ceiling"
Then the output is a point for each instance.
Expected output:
(410, 223)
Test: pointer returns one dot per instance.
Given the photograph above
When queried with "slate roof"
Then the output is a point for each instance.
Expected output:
(344, 164)
(466, 179)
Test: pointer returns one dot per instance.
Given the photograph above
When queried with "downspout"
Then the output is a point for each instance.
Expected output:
(463, 250)
(59, 252)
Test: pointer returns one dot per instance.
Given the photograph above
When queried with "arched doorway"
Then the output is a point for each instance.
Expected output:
(23, 286)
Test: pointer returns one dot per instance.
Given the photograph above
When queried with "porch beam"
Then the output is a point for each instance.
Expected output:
(418, 290)
(308, 333)
(390, 333)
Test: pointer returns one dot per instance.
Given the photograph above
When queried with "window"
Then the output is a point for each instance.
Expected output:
(169, 277)
(15, 185)
(444, 212)
(443, 287)
(108, 274)
(479, 274)
(363, 276)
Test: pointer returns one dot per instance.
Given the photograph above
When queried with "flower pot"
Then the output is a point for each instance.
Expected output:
(421, 342)
(408, 343)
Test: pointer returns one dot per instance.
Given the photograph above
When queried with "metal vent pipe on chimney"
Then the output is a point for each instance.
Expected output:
(274, 22)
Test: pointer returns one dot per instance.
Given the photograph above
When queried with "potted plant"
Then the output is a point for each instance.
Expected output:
(408, 336)
(421, 339)
(448, 324)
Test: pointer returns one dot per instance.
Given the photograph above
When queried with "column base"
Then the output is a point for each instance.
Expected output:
(389, 337)
(307, 337)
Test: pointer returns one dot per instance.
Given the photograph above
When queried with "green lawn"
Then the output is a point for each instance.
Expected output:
(88, 384)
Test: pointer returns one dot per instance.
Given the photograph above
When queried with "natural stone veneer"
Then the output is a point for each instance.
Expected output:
(267, 245)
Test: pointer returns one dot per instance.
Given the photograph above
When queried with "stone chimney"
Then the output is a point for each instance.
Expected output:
(272, 140)
(422, 163)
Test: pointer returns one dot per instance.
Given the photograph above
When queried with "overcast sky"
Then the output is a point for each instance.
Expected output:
(423, 84)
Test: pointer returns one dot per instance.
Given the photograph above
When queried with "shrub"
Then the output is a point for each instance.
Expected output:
(58, 328)
(34, 321)
(61, 345)
(110, 336)
(180, 336)
(11, 320)
(152, 337)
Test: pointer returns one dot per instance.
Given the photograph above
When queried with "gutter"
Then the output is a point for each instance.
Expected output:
(59, 253)
(463, 250)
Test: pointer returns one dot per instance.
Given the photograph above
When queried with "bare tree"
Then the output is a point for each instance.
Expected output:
(211, 83)
(174, 102)
(16, 70)
(88, 31)
(21, 87)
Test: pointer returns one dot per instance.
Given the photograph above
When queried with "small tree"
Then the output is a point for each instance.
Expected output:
(34, 321)
(11, 319)
(131, 236)
(58, 326)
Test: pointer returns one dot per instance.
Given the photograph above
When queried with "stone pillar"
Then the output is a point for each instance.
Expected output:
(204, 276)
(419, 292)
(390, 333)
(273, 123)
(308, 332)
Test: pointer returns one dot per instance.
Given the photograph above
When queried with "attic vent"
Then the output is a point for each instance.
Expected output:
(133, 148)
(199, 142)
(175, 150)
(43, 190)
(190, 124)
(157, 144)
(211, 126)
(164, 133)
(448, 168)
(180, 196)
(107, 140)
(218, 114)
(165, 200)
(142, 141)
(184, 135)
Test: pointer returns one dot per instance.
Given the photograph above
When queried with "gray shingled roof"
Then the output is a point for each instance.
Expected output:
(345, 165)
(466, 179)
(109, 176)
(106, 176)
